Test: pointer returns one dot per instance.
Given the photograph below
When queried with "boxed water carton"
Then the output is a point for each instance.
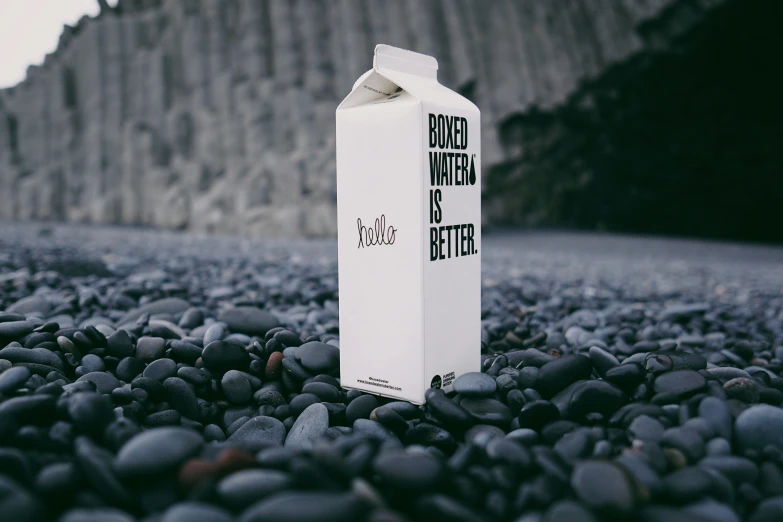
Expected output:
(409, 229)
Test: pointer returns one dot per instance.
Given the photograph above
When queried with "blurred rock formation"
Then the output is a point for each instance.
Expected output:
(218, 115)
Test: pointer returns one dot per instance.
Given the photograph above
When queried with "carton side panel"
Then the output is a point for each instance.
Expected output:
(379, 247)
(452, 242)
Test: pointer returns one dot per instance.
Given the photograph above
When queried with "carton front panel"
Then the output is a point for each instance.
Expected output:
(379, 248)
(452, 242)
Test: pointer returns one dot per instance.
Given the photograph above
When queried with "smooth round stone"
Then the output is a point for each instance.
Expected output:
(558, 374)
(536, 414)
(646, 428)
(214, 333)
(689, 442)
(311, 506)
(274, 366)
(717, 414)
(93, 363)
(487, 411)
(269, 397)
(195, 512)
(157, 451)
(360, 408)
(583, 398)
(743, 389)
(445, 410)
(34, 305)
(324, 391)
(568, 511)
(12, 378)
(310, 425)
(687, 484)
(759, 426)
(91, 413)
(626, 375)
(770, 510)
(736, 469)
(185, 351)
(95, 462)
(602, 360)
(680, 382)
(483, 432)
(119, 344)
(409, 472)
(302, 401)
(13, 330)
(213, 432)
(236, 387)
(168, 305)
(160, 370)
(604, 487)
(96, 514)
(373, 429)
(149, 349)
(181, 396)
(318, 357)
(259, 432)
(524, 436)
(221, 356)
(248, 320)
(475, 384)
(191, 319)
(104, 382)
(243, 488)
(718, 446)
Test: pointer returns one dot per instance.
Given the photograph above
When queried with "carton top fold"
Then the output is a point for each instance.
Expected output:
(408, 62)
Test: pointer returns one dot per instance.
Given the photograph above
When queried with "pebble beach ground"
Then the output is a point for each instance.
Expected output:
(168, 377)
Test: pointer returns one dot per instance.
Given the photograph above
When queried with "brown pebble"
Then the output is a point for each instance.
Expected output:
(675, 458)
(196, 471)
(274, 366)
(232, 459)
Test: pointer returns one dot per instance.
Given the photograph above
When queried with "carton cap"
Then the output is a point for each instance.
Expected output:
(408, 62)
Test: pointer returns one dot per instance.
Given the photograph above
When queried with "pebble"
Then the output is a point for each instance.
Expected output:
(475, 384)
(318, 357)
(104, 382)
(120, 345)
(311, 506)
(311, 424)
(160, 370)
(409, 473)
(558, 374)
(758, 427)
(181, 396)
(360, 408)
(152, 452)
(604, 487)
(12, 378)
(248, 320)
(260, 432)
(236, 387)
(195, 512)
(149, 349)
(743, 389)
(681, 382)
(221, 356)
(244, 488)
(488, 411)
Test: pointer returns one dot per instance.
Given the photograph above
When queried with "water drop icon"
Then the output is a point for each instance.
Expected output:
(472, 177)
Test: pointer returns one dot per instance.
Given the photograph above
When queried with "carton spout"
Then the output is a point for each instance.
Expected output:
(407, 62)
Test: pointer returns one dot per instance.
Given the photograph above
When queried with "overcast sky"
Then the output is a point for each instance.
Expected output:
(29, 29)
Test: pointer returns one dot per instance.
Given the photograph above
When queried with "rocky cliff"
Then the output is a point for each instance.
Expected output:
(218, 115)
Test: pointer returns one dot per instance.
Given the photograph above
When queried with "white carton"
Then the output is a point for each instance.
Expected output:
(409, 229)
